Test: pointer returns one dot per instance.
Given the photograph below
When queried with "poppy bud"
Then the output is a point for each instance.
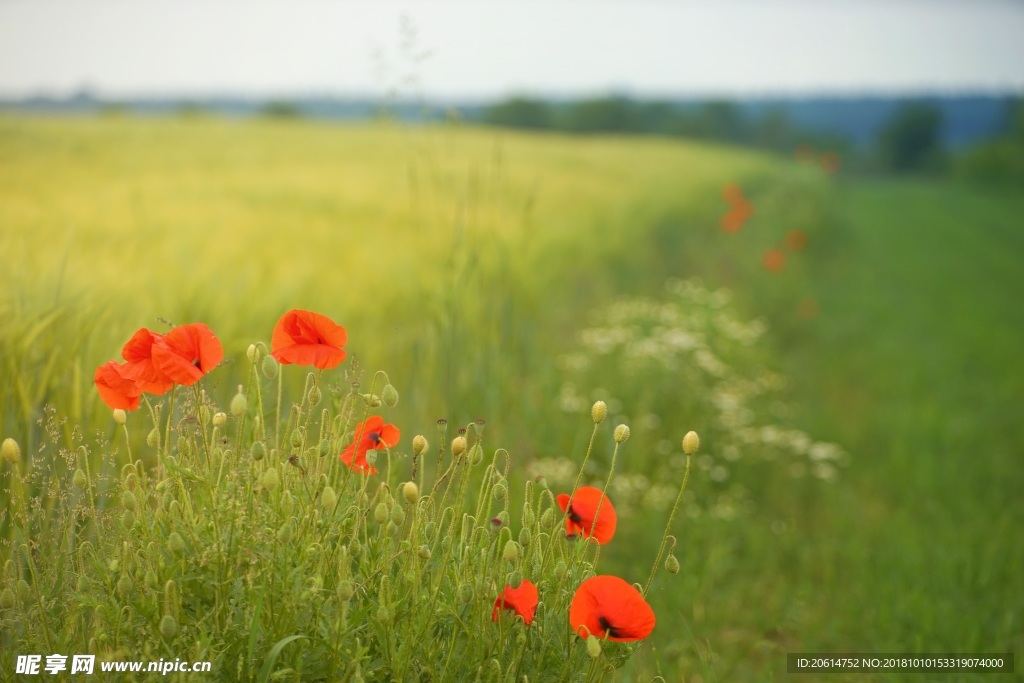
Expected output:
(371, 457)
(204, 415)
(389, 396)
(458, 446)
(411, 492)
(11, 451)
(542, 481)
(124, 586)
(598, 412)
(476, 454)
(560, 569)
(328, 498)
(150, 580)
(269, 367)
(672, 564)
(691, 442)
(296, 438)
(593, 647)
(511, 552)
(529, 517)
(79, 479)
(24, 592)
(220, 419)
(380, 513)
(315, 395)
(287, 503)
(153, 438)
(419, 444)
(345, 591)
(251, 353)
(128, 519)
(258, 450)
(503, 518)
(500, 492)
(383, 614)
(494, 525)
(621, 434)
(525, 537)
(424, 552)
(465, 592)
(175, 543)
(516, 580)
(7, 599)
(547, 518)
(324, 447)
(284, 534)
(270, 479)
(398, 515)
(168, 627)
(372, 400)
(128, 501)
(120, 417)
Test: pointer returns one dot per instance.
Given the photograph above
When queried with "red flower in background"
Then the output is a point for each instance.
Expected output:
(186, 353)
(522, 600)
(307, 338)
(138, 356)
(371, 434)
(796, 239)
(732, 193)
(830, 162)
(608, 606)
(773, 260)
(583, 510)
(116, 390)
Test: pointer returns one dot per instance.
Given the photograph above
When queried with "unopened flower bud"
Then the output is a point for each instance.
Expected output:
(411, 492)
(7, 599)
(516, 580)
(220, 419)
(345, 590)
(120, 417)
(204, 415)
(495, 525)
(398, 515)
(24, 591)
(251, 353)
(465, 592)
(124, 586)
(269, 367)
(424, 552)
(315, 395)
(593, 647)
(621, 434)
(153, 438)
(240, 403)
(79, 479)
(380, 513)
(383, 614)
(672, 564)
(329, 498)
(371, 457)
(389, 396)
(270, 479)
(296, 438)
(128, 501)
(168, 627)
(511, 552)
(258, 450)
(11, 451)
(691, 442)
(598, 412)
(175, 543)
(525, 537)
(560, 569)
(372, 400)
(458, 446)
(419, 444)
(324, 447)
(284, 534)
(500, 492)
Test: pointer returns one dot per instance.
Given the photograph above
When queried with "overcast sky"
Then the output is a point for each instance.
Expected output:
(484, 48)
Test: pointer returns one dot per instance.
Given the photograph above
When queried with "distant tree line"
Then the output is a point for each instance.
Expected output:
(719, 120)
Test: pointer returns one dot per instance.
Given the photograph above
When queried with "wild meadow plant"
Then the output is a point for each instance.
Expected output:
(304, 542)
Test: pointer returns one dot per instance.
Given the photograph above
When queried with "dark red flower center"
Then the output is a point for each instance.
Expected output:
(574, 516)
(374, 437)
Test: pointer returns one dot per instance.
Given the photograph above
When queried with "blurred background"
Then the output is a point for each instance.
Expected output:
(794, 227)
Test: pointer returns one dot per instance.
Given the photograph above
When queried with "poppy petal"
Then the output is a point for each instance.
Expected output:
(607, 606)
(522, 600)
(116, 390)
(583, 511)
(307, 338)
(187, 352)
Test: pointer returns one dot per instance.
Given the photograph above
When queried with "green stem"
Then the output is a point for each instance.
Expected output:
(668, 527)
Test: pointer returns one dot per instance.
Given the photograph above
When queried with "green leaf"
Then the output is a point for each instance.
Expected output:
(273, 655)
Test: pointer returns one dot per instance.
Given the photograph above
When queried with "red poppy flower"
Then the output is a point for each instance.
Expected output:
(608, 606)
(796, 239)
(116, 390)
(186, 353)
(583, 510)
(307, 338)
(830, 162)
(371, 434)
(138, 355)
(732, 193)
(773, 260)
(522, 600)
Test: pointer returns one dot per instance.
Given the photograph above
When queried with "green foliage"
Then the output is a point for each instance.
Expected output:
(911, 139)
(519, 112)
(998, 162)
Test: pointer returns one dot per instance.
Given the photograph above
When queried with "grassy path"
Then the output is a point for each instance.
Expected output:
(914, 365)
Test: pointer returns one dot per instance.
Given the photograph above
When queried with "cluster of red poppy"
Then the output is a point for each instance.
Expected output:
(828, 161)
(603, 606)
(156, 362)
(740, 209)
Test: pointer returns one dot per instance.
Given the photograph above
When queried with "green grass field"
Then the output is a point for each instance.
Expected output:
(466, 263)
